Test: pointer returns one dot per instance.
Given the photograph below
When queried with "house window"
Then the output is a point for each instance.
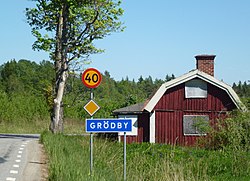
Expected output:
(196, 88)
(195, 125)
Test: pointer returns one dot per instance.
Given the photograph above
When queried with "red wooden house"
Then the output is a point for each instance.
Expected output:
(171, 115)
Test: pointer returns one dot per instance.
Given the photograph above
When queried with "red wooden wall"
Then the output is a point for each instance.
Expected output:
(173, 105)
(143, 130)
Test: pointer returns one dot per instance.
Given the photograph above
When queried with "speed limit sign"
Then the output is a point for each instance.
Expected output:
(91, 78)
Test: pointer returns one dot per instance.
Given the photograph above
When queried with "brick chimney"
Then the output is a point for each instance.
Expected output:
(205, 63)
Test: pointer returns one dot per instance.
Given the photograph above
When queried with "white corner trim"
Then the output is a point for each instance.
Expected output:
(152, 128)
(153, 101)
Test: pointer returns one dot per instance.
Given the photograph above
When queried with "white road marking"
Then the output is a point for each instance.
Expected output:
(20, 152)
(16, 166)
(22, 145)
(14, 171)
(10, 179)
(19, 156)
(21, 148)
(18, 161)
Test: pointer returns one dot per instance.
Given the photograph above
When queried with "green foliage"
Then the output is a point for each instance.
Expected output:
(61, 149)
(26, 76)
(22, 96)
(69, 160)
(30, 84)
(26, 93)
(22, 107)
(67, 30)
(242, 89)
(246, 102)
(22, 113)
(202, 125)
(110, 95)
(83, 22)
(232, 133)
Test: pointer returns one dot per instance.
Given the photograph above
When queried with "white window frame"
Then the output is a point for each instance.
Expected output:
(189, 120)
(196, 88)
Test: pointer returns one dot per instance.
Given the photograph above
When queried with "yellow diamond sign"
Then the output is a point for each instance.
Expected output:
(91, 107)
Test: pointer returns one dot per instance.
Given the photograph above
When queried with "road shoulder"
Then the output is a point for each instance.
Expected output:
(36, 168)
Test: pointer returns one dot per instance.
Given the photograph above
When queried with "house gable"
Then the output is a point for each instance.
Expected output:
(174, 99)
(195, 74)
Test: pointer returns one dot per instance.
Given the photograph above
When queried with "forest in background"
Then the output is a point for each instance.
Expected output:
(26, 92)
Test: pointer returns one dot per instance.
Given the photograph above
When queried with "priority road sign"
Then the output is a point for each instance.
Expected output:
(91, 107)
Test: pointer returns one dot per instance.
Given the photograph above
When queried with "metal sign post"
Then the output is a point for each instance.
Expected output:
(91, 78)
(124, 156)
(91, 153)
(91, 141)
(111, 126)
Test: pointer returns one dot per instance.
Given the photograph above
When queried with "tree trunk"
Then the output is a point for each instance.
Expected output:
(57, 114)
(61, 68)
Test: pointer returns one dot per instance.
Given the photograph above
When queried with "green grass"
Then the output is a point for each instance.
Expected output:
(24, 126)
(69, 160)
(74, 126)
(69, 155)
(71, 126)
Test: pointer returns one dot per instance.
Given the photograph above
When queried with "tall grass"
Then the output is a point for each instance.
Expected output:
(69, 160)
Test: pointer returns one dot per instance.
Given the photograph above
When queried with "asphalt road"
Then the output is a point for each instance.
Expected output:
(20, 158)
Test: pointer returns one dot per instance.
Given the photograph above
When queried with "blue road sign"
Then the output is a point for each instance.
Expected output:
(108, 125)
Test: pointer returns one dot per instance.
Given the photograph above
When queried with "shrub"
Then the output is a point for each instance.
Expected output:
(231, 133)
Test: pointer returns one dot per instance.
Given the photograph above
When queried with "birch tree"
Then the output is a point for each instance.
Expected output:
(66, 29)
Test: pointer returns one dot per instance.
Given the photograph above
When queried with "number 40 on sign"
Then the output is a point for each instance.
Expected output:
(91, 78)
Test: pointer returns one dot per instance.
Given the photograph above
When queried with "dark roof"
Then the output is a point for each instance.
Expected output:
(205, 57)
(133, 109)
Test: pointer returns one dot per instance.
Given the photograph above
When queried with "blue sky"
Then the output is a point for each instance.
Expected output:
(162, 37)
